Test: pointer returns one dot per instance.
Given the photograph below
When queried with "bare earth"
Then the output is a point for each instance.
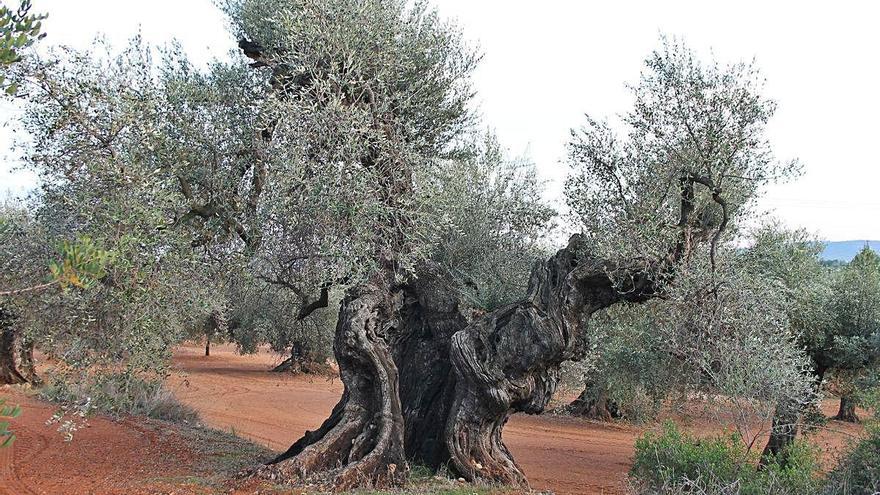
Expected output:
(236, 393)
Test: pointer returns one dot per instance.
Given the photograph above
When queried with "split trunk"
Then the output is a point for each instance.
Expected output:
(422, 384)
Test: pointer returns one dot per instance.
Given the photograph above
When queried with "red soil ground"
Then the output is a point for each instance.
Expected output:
(236, 393)
(107, 457)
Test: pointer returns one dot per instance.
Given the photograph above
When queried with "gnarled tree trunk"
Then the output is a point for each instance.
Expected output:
(9, 375)
(594, 403)
(847, 410)
(362, 442)
(459, 381)
(508, 361)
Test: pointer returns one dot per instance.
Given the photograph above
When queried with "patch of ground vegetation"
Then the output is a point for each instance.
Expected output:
(119, 394)
(674, 462)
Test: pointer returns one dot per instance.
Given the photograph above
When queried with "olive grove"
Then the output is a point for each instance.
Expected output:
(331, 190)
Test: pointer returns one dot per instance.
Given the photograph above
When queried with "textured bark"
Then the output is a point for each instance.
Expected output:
(783, 430)
(432, 314)
(9, 375)
(26, 363)
(362, 442)
(459, 380)
(594, 403)
(508, 361)
(847, 410)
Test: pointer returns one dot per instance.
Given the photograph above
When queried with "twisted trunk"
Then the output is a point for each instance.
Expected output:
(508, 361)
(847, 410)
(422, 384)
(361, 443)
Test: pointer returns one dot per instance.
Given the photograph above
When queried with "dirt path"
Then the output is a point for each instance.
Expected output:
(107, 457)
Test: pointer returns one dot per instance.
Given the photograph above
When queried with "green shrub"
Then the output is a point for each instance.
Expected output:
(7, 412)
(859, 471)
(674, 462)
(120, 394)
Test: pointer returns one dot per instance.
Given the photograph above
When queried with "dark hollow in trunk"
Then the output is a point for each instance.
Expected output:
(9, 375)
(847, 410)
(594, 403)
(207, 346)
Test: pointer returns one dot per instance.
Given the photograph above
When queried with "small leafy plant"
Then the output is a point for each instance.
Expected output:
(7, 412)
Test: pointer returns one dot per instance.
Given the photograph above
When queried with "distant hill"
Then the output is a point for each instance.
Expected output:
(846, 250)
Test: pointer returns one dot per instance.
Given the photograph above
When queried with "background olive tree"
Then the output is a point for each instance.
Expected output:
(852, 347)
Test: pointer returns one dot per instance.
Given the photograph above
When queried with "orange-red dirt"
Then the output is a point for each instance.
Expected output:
(131, 456)
(237, 393)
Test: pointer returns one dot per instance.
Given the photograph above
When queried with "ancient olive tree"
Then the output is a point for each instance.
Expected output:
(367, 94)
(317, 168)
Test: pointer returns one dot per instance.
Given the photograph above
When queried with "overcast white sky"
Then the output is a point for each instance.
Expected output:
(547, 63)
